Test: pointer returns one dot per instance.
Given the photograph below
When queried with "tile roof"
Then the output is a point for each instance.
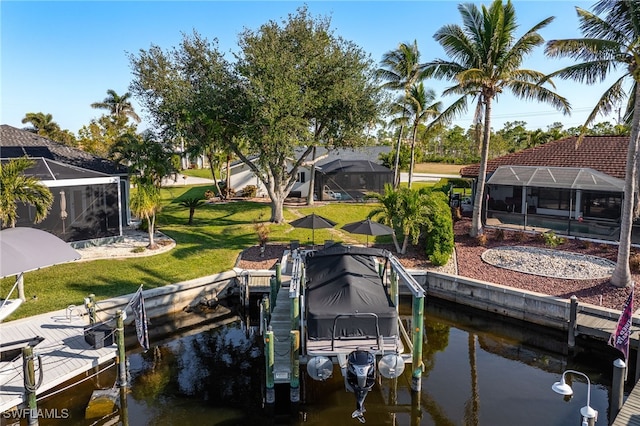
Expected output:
(18, 143)
(606, 154)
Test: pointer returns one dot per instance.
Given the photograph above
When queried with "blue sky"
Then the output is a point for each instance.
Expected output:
(59, 57)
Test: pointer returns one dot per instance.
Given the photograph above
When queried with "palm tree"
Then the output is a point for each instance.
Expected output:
(118, 106)
(387, 212)
(401, 69)
(41, 124)
(145, 203)
(610, 43)
(192, 203)
(485, 61)
(418, 107)
(16, 187)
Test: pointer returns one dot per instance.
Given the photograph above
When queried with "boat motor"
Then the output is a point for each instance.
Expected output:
(361, 376)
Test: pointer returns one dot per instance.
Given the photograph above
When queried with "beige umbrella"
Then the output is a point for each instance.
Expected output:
(63, 209)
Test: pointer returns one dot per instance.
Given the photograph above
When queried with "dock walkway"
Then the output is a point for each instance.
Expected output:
(64, 353)
(281, 326)
(629, 415)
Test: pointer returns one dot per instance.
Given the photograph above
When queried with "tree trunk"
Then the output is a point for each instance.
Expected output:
(405, 244)
(151, 221)
(478, 203)
(312, 178)
(396, 167)
(413, 154)
(395, 242)
(277, 204)
(622, 274)
(228, 181)
(192, 211)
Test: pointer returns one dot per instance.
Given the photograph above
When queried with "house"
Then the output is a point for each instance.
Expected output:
(569, 188)
(352, 187)
(91, 194)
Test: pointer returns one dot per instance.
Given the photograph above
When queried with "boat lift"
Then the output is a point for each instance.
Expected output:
(357, 368)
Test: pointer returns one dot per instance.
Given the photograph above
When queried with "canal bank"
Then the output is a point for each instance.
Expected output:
(71, 355)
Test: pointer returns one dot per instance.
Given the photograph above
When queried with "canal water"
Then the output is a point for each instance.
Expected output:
(478, 370)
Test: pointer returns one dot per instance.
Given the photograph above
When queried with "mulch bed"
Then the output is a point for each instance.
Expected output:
(470, 264)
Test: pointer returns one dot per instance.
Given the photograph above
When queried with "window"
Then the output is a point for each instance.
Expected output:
(554, 199)
(302, 177)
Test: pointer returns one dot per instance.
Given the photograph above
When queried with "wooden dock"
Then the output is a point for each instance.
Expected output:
(281, 326)
(629, 415)
(64, 353)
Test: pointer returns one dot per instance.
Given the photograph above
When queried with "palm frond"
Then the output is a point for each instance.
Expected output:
(533, 91)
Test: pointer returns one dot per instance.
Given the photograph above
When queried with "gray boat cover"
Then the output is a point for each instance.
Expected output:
(343, 280)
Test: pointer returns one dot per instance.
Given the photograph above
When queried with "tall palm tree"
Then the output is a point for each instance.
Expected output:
(401, 69)
(118, 106)
(16, 187)
(41, 124)
(416, 108)
(610, 43)
(485, 61)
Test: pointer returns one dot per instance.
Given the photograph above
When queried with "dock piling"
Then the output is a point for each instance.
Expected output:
(120, 355)
(417, 323)
(295, 366)
(617, 387)
(30, 384)
(269, 356)
(573, 321)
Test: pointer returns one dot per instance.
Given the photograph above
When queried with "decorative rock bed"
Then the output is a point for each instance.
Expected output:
(549, 263)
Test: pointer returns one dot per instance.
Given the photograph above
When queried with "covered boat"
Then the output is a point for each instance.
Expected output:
(345, 296)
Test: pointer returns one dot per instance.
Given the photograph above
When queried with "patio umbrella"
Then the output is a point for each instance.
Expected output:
(368, 227)
(313, 222)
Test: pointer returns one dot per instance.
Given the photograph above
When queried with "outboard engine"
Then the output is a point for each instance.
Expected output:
(361, 376)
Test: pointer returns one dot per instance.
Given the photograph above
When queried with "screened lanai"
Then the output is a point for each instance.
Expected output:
(569, 200)
(86, 204)
(350, 179)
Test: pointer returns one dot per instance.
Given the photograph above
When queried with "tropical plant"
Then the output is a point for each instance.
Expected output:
(416, 108)
(192, 203)
(145, 203)
(146, 155)
(387, 212)
(401, 69)
(439, 236)
(16, 186)
(609, 43)
(119, 107)
(485, 61)
(41, 123)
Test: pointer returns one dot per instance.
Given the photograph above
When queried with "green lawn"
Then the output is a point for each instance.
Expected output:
(211, 245)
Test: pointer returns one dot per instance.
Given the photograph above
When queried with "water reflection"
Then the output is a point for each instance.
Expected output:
(477, 371)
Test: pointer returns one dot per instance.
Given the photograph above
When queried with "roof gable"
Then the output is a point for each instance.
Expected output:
(15, 143)
(606, 154)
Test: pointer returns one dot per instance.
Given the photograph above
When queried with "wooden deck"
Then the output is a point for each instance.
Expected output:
(64, 353)
(281, 326)
(629, 415)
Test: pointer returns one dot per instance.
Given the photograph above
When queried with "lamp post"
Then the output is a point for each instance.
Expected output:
(589, 415)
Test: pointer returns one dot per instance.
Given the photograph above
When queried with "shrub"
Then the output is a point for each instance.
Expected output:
(138, 249)
(552, 240)
(439, 238)
(439, 258)
(634, 263)
(456, 213)
(482, 240)
(499, 235)
(585, 244)
(208, 194)
(249, 191)
(519, 236)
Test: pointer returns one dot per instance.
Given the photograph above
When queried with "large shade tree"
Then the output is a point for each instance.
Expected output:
(18, 187)
(191, 95)
(610, 43)
(305, 87)
(485, 60)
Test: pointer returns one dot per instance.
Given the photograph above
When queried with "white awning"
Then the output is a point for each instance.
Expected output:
(556, 177)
